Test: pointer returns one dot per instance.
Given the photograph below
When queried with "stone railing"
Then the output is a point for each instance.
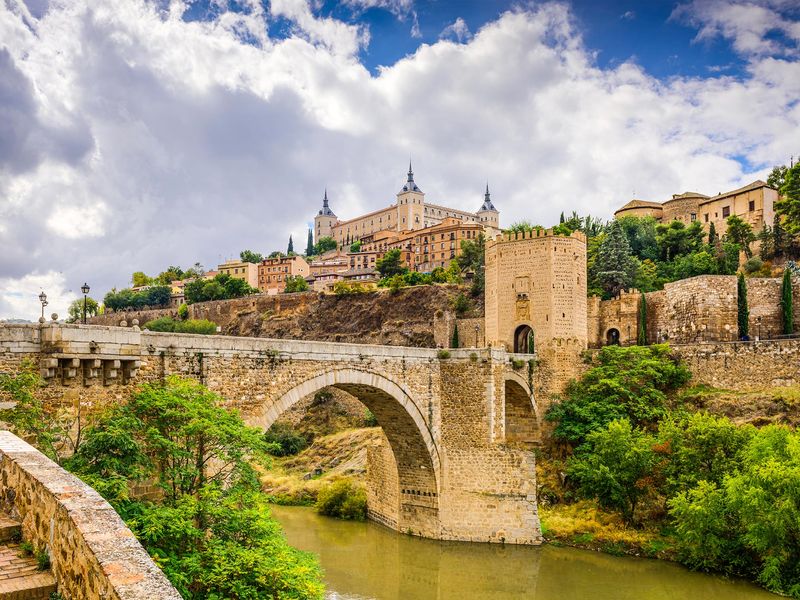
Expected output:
(93, 555)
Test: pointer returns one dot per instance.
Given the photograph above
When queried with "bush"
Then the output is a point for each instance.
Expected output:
(295, 283)
(343, 499)
(443, 354)
(199, 326)
(461, 304)
(343, 288)
(284, 440)
(183, 311)
(753, 265)
(623, 383)
(369, 419)
(154, 296)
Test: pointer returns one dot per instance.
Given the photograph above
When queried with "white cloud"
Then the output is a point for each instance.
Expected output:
(747, 24)
(133, 140)
(20, 296)
(457, 30)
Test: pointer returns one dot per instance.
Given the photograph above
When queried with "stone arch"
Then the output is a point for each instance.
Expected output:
(522, 419)
(612, 337)
(524, 338)
(416, 454)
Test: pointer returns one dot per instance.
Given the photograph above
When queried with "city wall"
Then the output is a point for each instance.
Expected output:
(694, 310)
(93, 555)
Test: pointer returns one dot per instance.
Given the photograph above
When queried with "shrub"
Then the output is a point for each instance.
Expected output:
(200, 326)
(343, 499)
(369, 419)
(157, 295)
(295, 283)
(343, 288)
(753, 265)
(630, 383)
(461, 304)
(183, 311)
(443, 354)
(284, 440)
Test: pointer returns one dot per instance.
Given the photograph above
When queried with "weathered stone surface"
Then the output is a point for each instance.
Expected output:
(93, 555)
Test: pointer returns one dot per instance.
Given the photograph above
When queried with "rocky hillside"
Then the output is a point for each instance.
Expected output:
(402, 319)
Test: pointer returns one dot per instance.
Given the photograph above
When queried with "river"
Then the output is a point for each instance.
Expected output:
(368, 561)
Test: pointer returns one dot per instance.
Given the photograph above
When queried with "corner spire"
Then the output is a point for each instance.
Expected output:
(487, 201)
(410, 173)
(326, 210)
(410, 185)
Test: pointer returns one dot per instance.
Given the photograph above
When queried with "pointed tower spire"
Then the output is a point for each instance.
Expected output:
(326, 210)
(410, 172)
(410, 185)
(487, 200)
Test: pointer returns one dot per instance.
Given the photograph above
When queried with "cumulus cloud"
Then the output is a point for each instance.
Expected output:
(457, 30)
(134, 139)
(762, 28)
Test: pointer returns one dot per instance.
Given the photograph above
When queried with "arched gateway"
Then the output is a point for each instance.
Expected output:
(415, 452)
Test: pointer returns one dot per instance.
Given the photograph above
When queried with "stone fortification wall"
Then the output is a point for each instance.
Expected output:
(743, 365)
(470, 330)
(93, 555)
(694, 310)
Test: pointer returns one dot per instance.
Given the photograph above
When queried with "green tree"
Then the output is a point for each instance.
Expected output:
(310, 244)
(325, 244)
(355, 246)
(75, 310)
(743, 311)
(211, 532)
(171, 274)
(343, 499)
(139, 279)
(777, 177)
(641, 336)
(788, 207)
(641, 234)
(778, 236)
(787, 303)
(740, 232)
(713, 238)
(454, 342)
(614, 466)
(621, 383)
(676, 239)
(295, 283)
(391, 264)
(472, 260)
(290, 247)
(523, 227)
(250, 256)
(615, 267)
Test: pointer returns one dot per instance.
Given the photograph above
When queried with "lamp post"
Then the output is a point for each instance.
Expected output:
(758, 322)
(43, 300)
(85, 290)
(477, 331)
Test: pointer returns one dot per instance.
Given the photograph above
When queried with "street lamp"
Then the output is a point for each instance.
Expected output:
(477, 331)
(85, 290)
(43, 300)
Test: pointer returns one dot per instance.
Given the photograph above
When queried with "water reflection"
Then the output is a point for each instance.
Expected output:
(366, 561)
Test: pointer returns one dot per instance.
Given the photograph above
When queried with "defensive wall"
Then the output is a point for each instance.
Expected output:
(694, 310)
(93, 555)
(460, 428)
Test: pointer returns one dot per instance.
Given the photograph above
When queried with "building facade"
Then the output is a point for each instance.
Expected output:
(240, 270)
(753, 203)
(273, 272)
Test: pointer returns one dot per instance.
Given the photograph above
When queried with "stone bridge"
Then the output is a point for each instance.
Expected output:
(460, 424)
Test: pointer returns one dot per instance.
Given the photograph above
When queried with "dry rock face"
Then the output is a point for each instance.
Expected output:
(93, 555)
(459, 476)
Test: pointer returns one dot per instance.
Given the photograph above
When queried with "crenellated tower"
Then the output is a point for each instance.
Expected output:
(410, 201)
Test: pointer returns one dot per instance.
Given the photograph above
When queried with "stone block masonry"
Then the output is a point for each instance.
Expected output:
(93, 555)
(455, 474)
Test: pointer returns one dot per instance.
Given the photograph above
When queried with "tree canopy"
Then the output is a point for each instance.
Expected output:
(250, 256)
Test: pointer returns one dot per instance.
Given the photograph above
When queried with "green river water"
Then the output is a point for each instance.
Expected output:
(366, 561)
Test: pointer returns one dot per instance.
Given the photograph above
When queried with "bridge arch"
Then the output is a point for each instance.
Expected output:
(412, 443)
(522, 419)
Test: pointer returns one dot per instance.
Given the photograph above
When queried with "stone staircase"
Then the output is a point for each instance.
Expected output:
(20, 577)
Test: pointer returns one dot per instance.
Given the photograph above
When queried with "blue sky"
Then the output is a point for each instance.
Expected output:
(138, 134)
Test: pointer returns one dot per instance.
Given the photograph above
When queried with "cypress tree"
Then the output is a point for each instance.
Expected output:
(310, 244)
(787, 302)
(290, 248)
(531, 343)
(642, 334)
(744, 312)
(778, 237)
(561, 220)
(454, 341)
(713, 238)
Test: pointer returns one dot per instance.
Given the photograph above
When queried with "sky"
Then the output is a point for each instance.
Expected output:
(138, 134)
